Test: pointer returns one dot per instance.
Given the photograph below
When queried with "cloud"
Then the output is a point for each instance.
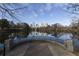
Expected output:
(41, 11)
(34, 14)
(48, 7)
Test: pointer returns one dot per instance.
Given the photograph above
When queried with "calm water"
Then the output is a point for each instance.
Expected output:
(42, 36)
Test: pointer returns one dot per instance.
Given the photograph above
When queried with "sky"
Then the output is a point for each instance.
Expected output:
(38, 13)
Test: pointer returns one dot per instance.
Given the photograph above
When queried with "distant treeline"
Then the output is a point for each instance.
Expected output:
(10, 26)
(56, 29)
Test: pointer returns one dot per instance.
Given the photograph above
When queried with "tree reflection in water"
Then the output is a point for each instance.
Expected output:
(4, 36)
(7, 36)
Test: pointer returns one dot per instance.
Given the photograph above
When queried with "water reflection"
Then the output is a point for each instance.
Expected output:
(3, 36)
(37, 34)
(7, 38)
(65, 36)
(17, 38)
(41, 36)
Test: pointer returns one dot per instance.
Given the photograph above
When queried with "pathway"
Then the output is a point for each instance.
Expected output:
(38, 48)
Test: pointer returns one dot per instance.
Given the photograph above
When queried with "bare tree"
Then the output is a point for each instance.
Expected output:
(7, 8)
(72, 8)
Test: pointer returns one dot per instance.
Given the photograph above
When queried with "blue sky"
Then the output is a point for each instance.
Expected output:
(40, 13)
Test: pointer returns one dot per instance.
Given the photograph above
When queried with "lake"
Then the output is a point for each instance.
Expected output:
(14, 40)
